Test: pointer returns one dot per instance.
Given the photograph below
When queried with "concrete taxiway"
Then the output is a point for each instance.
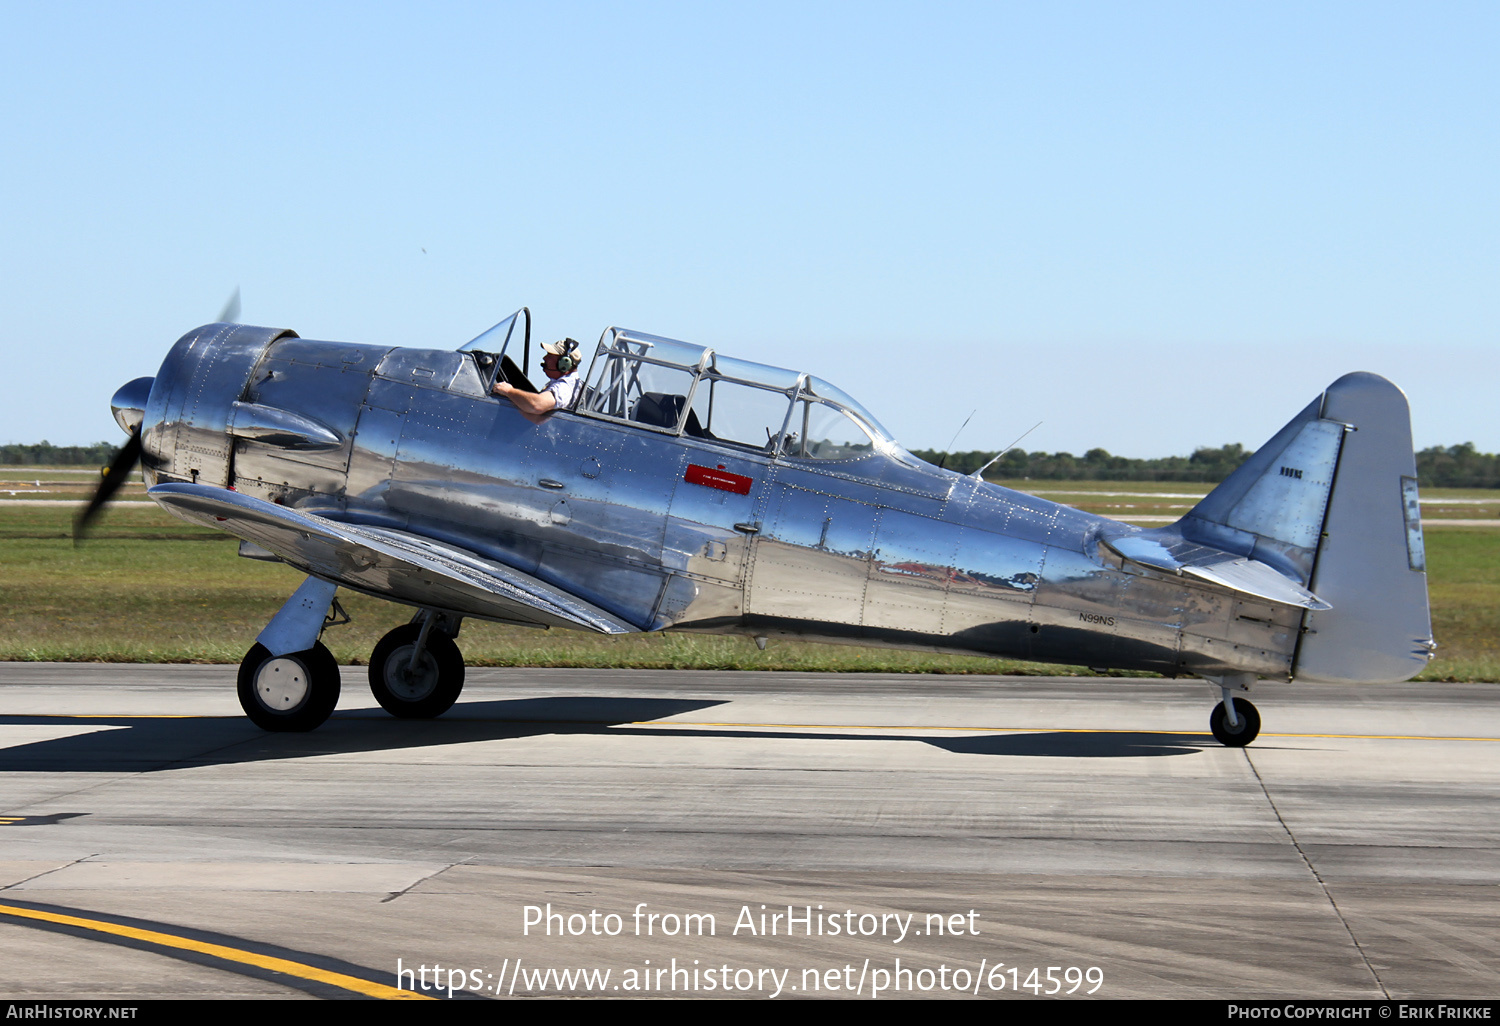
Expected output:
(153, 843)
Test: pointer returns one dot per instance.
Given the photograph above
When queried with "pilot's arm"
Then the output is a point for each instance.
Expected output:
(561, 388)
(534, 406)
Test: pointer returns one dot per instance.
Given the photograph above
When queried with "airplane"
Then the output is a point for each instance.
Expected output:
(687, 490)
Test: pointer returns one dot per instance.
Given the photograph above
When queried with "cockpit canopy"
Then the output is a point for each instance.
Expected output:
(681, 389)
(677, 388)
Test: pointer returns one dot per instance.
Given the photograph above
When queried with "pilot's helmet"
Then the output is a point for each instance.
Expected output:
(566, 351)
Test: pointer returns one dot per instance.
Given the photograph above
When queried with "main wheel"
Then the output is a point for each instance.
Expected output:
(296, 691)
(1242, 733)
(432, 689)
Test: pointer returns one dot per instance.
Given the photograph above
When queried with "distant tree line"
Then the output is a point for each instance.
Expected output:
(46, 454)
(1094, 465)
(1457, 466)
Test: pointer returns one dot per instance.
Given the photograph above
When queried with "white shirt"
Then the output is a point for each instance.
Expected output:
(564, 390)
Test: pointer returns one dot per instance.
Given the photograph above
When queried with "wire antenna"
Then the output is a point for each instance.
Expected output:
(949, 451)
(978, 475)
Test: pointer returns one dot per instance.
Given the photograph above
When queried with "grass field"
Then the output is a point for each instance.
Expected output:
(1165, 499)
(149, 588)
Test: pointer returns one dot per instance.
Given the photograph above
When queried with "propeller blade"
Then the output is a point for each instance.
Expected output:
(114, 476)
(231, 312)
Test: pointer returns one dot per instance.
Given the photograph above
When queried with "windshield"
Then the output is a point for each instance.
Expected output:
(498, 338)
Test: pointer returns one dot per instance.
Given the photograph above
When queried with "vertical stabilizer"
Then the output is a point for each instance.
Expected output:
(1272, 508)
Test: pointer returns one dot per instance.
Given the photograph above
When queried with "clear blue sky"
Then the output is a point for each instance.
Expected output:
(1153, 226)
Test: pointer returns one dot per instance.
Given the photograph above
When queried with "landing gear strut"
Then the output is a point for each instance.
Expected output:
(416, 671)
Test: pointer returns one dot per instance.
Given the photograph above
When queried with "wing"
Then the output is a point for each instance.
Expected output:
(391, 564)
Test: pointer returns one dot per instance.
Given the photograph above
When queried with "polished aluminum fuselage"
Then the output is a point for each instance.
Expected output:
(673, 532)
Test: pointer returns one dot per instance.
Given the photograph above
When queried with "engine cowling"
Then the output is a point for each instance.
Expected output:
(191, 405)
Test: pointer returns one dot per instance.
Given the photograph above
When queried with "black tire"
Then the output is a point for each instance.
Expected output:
(439, 680)
(1242, 733)
(294, 692)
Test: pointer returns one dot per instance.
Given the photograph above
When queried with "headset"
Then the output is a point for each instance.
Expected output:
(567, 360)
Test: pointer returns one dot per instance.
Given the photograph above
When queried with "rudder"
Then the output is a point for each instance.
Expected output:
(1371, 563)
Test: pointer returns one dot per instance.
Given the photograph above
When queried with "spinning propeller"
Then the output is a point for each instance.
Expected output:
(114, 475)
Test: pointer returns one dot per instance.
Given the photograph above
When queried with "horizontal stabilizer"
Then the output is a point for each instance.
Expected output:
(1254, 578)
(1166, 549)
(397, 565)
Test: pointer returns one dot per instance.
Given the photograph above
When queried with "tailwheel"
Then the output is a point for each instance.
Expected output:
(420, 688)
(295, 692)
(1241, 733)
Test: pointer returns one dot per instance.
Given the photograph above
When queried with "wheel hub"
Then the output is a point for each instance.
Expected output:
(281, 684)
(406, 685)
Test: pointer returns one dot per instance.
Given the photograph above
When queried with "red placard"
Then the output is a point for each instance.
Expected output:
(739, 484)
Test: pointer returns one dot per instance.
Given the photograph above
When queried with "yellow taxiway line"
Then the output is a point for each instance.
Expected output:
(1036, 730)
(167, 940)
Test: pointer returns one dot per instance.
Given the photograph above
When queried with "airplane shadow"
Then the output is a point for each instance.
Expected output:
(142, 744)
(1076, 745)
(131, 744)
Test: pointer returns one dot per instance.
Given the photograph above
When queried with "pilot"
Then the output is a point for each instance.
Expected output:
(561, 367)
